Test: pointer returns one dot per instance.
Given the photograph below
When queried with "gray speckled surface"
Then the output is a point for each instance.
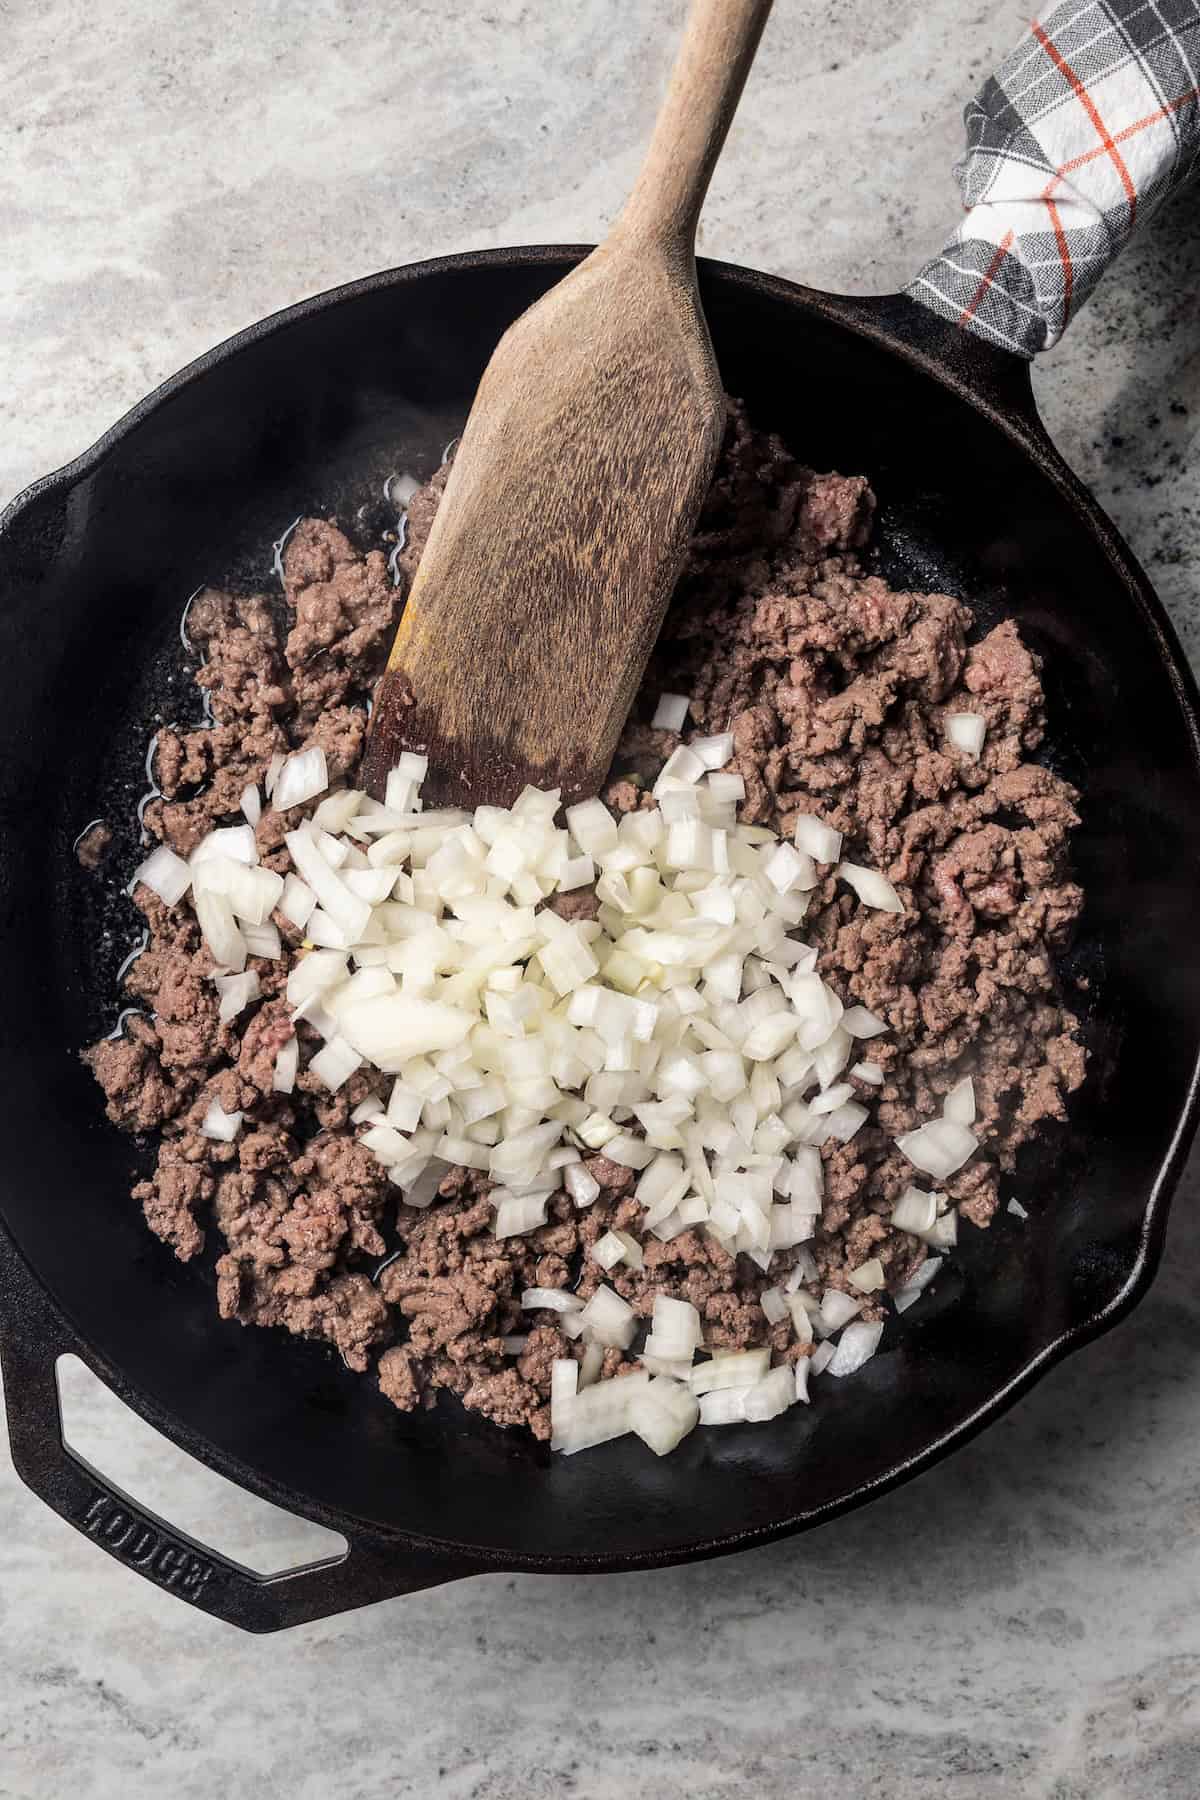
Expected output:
(1020, 1622)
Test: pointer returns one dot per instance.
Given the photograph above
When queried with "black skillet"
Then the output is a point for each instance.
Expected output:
(310, 412)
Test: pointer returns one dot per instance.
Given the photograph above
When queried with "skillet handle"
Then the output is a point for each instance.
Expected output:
(32, 1338)
(1086, 128)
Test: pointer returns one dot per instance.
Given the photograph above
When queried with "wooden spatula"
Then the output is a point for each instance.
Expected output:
(577, 483)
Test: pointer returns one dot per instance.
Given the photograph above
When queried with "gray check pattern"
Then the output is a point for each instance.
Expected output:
(1090, 123)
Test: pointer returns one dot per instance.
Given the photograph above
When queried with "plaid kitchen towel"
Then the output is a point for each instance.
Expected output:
(1091, 121)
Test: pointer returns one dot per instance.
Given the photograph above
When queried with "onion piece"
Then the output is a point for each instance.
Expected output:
(671, 712)
(938, 1148)
(816, 839)
(236, 991)
(297, 901)
(237, 842)
(609, 1320)
(550, 1300)
(730, 1368)
(714, 752)
(220, 1125)
(518, 1213)
(287, 1064)
(165, 874)
(915, 1211)
(837, 1309)
(335, 1063)
(662, 1414)
(869, 1277)
(872, 888)
(302, 777)
(251, 803)
(345, 908)
(220, 931)
(857, 1344)
(966, 731)
(861, 1023)
(770, 1396)
(959, 1104)
(582, 1187)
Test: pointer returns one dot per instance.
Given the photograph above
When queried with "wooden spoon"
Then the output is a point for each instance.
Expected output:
(576, 486)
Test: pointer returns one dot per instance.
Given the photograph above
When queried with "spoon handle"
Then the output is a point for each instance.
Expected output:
(710, 71)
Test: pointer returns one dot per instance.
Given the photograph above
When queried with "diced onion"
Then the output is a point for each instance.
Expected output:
(236, 991)
(335, 1063)
(609, 1320)
(816, 839)
(959, 1104)
(861, 1023)
(219, 1124)
(551, 1300)
(770, 1396)
(966, 731)
(302, 777)
(857, 1344)
(872, 888)
(165, 874)
(938, 1148)
(671, 712)
(869, 1277)
(662, 1414)
(287, 1064)
(220, 931)
(915, 1211)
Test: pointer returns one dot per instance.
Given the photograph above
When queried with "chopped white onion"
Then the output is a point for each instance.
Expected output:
(237, 842)
(609, 1320)
(297, 901)
(915, 1211)
(251, 803)
(938, 1148)
(816, 839)
(219, 1124)
(302, 777)
(671, 712)
(770, 1396)
(165, 874)
(335, 1063)
(220, 931)
(551, 1300)
(959, 1104)
(861, 1023)
(287, 1064)
(869, 1277)
(857, 1344)
(517, 1214)
(236, 991)
(966, 731)
(872, 888)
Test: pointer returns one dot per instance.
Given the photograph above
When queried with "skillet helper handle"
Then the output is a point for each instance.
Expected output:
(32, 1338)
(1084, 130)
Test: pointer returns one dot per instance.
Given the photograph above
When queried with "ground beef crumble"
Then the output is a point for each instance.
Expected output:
(836, 689)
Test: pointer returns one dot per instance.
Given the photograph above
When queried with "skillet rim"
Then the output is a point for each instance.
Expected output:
(994, 384)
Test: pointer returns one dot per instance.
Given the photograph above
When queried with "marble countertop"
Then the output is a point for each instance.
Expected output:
(1021, 1621)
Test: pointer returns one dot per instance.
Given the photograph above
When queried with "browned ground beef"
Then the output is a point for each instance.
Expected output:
(835, 688)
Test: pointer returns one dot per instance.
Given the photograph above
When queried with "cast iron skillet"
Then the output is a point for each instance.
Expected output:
(309, 412)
